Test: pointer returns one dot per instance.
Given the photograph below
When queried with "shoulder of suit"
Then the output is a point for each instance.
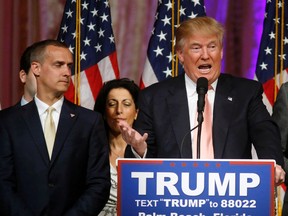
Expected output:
(80, 109)
(165, 84)
(239, 80)
(10, 112)
(285, 85)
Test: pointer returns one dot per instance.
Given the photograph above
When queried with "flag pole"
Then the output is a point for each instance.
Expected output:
(172, 37)
(77, 53)
(178, 22)
(276, 51)
(282, 44)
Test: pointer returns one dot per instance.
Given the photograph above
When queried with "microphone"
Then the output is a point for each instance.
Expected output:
(201, 88)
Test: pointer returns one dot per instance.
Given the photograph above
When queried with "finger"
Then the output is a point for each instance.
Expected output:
(145, 136)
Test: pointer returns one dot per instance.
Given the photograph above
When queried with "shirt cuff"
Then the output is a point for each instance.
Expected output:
(137, 155)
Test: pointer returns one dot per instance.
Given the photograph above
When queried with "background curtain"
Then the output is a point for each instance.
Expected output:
(26, 21)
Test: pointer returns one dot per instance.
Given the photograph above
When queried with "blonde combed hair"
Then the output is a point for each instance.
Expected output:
(204, 25)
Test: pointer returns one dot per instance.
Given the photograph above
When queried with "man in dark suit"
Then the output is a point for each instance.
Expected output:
(73, 179)
(280, 115)
(167, 109)
(27, 77)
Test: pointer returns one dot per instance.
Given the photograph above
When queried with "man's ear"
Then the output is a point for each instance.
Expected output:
(35, 68)
(180, 56)
(22, 76)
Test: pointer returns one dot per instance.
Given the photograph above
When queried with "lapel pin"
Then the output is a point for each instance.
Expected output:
(230, 98)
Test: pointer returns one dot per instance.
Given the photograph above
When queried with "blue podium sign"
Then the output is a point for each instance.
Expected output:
(184, 187)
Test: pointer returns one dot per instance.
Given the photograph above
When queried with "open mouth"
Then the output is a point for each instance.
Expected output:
(205, 68)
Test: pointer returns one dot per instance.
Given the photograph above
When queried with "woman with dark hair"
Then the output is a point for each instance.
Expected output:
(117, 100)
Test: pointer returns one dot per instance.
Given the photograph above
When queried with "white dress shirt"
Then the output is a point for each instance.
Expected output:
(192, 98)
(42, 107)
(23, 101)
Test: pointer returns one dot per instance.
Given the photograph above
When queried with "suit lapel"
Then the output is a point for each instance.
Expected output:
(67, 119)
(179, 113)
(222, 114)
(31, 116)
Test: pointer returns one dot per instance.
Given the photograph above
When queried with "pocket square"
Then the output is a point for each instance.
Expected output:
(230, 98)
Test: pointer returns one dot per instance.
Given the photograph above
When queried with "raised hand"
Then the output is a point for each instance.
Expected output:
(133, 138)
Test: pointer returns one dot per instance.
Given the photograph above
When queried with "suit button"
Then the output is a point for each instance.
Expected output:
(51, 185)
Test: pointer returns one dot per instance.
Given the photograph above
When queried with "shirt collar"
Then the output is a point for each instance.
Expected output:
(42, 107)
(214, 84)
(23, 101)
(191, 86)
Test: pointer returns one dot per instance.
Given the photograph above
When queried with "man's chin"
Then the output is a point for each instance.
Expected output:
(62, 91)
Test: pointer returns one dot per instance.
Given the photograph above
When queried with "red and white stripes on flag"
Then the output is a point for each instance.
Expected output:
(271, 88)
(86, 28)
(272, 63)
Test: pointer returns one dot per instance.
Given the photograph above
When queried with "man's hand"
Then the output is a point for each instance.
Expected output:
(132, 137)
(279, 175)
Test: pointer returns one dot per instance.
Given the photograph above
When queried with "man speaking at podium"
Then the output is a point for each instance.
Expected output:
(229, 110)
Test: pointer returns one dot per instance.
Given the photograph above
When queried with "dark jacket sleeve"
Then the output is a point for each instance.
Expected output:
(10, 202)
(97, 191)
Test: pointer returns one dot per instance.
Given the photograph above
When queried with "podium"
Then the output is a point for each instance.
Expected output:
(187, 187)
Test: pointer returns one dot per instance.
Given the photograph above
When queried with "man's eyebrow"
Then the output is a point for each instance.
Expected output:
(62, 62)
(59, 62)
(213, 41)
(195, 44)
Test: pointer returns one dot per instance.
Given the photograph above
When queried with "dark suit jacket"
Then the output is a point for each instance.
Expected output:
(77, 179)
(280, 115)
(239, 119)
(18, 104)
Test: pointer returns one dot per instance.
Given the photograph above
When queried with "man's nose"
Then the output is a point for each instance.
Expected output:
(67, 70)
(205, 53)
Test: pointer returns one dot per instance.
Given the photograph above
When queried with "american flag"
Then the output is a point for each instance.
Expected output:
(272, 63)
(161, 61)
(86, 28)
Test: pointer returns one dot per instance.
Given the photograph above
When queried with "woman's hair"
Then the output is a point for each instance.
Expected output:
(101, 99)
(124, 83)
(203, 25)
